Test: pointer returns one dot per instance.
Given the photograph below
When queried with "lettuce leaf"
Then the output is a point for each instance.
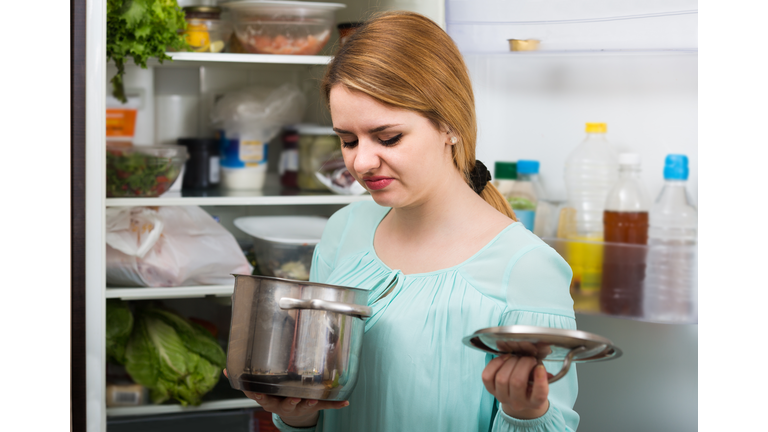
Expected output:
(119, 328)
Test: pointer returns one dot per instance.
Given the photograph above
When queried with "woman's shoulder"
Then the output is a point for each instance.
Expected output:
(351, 226)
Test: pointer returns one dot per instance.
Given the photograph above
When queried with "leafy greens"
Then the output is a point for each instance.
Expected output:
(119, 327)
(173, 357)
(141, 29)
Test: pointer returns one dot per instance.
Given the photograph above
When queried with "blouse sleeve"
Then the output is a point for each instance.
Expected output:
(538, 294)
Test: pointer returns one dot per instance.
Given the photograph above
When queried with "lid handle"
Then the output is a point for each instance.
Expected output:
(324, 305)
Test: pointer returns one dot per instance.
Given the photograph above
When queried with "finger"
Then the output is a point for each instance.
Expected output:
(265, 401)
(503, 378)
(518, 380)
(321, 405)
(489, 373)
(540, 387)
(288, 405)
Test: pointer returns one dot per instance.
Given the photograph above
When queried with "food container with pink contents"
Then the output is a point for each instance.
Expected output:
(282, 27)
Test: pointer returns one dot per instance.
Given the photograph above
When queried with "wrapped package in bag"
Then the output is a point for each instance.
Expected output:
(170, 246)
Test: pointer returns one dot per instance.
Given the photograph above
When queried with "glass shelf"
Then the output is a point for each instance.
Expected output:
(646, 283)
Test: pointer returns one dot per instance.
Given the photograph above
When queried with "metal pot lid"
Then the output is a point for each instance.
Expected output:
(544, 343)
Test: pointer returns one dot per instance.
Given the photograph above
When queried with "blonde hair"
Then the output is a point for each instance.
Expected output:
(405, 60)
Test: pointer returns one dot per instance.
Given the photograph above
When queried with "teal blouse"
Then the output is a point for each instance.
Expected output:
(415, 373)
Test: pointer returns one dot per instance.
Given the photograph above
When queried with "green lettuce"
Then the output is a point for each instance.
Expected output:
(176, 364)
(119, 328)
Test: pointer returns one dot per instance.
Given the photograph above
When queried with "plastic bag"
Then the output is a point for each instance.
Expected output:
(170, 246)
(259, 112)
(336, 177)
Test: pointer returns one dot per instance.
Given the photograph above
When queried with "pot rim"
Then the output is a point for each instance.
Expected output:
(298, 282)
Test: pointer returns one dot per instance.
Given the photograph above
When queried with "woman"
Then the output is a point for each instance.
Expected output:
(440, 251)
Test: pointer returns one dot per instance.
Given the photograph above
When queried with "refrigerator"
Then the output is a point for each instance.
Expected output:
(630, 65)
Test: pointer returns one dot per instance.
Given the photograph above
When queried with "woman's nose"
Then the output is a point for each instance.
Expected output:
(367, 157)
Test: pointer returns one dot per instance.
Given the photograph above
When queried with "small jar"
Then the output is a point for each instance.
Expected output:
(206, 31)
(201, 171)
(317, 145)
(289, 159)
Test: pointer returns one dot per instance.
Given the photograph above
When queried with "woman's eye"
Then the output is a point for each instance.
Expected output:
(348, 144)
(392, 141)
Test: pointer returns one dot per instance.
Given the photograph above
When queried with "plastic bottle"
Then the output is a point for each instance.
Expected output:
(591, 170)
(504, 176)
(524, 196)
(671, 281)
(625, 223)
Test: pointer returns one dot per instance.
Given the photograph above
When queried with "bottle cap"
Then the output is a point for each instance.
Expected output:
(597, 128)
(527, 167)
(676, 167)
(629, 159)
(505, 170)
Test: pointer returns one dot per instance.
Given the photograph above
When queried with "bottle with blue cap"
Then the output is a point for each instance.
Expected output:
(670, 289)
(526, 192)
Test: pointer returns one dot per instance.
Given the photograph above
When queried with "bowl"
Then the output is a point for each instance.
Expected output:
(143, 171)
(282, 27)
(283, 245)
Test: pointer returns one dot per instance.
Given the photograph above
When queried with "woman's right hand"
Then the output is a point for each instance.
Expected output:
(295, 412)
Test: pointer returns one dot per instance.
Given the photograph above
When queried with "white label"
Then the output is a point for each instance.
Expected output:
(289, 160)
(214, 170)
(251, 151)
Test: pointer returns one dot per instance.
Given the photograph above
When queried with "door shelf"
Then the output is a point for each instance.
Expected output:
(625, 280)
(147, 410)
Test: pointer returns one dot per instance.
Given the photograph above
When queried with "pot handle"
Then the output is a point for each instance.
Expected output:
(324, 305)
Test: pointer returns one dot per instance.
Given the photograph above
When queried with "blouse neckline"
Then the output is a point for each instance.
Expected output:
(378, 260)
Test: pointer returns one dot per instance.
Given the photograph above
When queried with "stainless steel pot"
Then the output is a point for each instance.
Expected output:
(294, 338)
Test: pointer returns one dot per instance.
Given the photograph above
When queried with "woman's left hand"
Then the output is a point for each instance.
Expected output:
(506, 377)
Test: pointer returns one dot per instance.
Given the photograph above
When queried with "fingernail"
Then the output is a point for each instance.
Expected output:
(295, 401)
(311, 403)
(258, 397)
(346, 403)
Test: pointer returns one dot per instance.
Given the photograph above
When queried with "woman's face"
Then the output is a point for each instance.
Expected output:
(400, 157)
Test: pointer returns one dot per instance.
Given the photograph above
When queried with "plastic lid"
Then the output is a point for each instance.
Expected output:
(296, 230)
(597, 128)
(505, 170)
(676, 167)
(310, 129)
(295, 6)
(629, 159)
(527, 167)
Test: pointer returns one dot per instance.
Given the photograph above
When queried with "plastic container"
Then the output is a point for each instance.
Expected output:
(143, 171)
(625, 220)
(206, 31)
(504, 176)
(524, 198)
(202, 169)
(591, 170)
(283, 245)
(318, 145)
(282, 27)
(243, 162)
(671, 282)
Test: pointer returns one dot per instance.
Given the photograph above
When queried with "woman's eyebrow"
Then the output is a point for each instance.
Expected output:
(374, 130)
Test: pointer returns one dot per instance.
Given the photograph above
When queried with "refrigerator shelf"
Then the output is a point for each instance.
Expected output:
(147, 410)
(190, 58)
(149, 293)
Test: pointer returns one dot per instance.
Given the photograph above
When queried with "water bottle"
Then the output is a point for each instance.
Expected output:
(671, 281)
(591, 170)
(525, 194)
(625, 224)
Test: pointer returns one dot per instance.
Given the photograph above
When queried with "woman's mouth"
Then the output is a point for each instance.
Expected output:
(376, 183)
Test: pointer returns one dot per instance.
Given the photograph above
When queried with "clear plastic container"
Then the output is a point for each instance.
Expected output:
(283, 245)
(671, 279)
(206, 30)
(318, 146)
(282, 27)
(625, 220)
(591, 170)
(143, 171)
(524, 196)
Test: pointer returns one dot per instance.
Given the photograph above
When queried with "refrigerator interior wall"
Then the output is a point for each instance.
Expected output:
(535, 107)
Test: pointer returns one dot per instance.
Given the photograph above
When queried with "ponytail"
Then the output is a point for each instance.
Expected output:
(492, 196)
